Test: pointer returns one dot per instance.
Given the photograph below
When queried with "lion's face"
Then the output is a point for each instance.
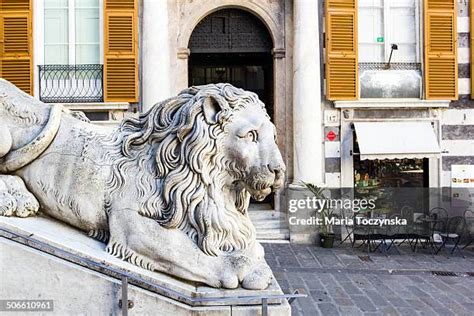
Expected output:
(251, 146)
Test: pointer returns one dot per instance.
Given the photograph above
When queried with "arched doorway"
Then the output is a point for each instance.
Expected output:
(234, 46)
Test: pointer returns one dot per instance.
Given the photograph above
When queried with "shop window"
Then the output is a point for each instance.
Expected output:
(393, 183)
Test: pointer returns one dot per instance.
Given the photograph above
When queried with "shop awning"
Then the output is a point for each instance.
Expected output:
(392, 140)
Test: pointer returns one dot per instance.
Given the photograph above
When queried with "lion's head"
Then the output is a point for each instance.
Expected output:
(196, 159)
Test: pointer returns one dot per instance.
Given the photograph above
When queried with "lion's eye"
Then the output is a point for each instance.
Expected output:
(252, 136)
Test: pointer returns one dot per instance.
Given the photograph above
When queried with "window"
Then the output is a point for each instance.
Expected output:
(72, 32)
(382, 23)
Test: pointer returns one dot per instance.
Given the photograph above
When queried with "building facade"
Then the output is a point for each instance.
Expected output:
(339, 77)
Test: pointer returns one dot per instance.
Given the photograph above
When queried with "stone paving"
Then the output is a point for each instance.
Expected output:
(343, 281)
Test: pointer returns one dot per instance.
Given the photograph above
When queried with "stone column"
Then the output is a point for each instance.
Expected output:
(307, 125)
(155, 53)
(182, 69)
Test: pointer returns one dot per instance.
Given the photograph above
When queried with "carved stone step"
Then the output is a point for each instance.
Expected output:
(273, 234)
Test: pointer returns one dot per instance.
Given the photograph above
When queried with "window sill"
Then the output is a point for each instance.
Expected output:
(97, 106)
(392, 103)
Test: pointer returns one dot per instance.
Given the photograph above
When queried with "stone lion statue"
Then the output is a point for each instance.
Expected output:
(168, 191)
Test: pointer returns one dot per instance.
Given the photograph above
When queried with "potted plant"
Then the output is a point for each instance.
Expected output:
(326, 233)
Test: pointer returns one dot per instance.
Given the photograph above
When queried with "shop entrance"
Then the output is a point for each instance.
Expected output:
(399, 184)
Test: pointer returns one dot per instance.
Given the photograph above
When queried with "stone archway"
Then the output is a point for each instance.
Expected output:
(234, 46)
(190, 13)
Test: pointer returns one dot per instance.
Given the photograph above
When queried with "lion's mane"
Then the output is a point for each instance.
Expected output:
(174, 156)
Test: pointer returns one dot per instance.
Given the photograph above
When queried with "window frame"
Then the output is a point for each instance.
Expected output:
(71, 31)
(386, 8)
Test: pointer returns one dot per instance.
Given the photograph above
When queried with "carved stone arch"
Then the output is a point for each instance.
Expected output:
(201, 11)
(230, 31)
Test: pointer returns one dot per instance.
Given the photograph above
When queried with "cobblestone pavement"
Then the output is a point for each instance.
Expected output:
(342, 281)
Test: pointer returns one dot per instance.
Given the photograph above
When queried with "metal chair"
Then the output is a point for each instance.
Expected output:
(425, 229)
(409, 232)
(388, 233)
(469, 217)
(440, 214)
(361, 232)
(455, 229)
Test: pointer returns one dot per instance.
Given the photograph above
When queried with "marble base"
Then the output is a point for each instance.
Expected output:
(58, 262)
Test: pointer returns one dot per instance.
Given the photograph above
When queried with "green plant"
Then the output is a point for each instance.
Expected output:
(325, 213)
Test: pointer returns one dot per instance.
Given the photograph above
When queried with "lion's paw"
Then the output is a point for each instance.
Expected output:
(259, 278)
(15, 199)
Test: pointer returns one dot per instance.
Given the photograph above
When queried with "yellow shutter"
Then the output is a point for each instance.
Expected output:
(441, 67)
(341, 50)
(16, 43)
(121, 50)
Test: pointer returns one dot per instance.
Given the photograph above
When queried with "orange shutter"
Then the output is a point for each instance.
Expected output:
(16, 43)
(441, 67)
(120, 50)
(342, 81)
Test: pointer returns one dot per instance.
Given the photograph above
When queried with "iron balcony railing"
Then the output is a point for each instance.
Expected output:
(71, 83)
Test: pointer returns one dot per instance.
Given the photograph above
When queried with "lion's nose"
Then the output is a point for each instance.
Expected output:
(277, 166)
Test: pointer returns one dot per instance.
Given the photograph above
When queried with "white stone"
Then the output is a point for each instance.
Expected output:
(74, 288)
(458, 147)
(307, 121)
(458, 117)
(169, 191)
(156, 53)
(56, 235)
(332, 149)
(463, 24)
(464, 85)
(464, 55)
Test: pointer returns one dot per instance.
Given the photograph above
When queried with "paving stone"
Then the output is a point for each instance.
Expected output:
(376, 298)
(350, 288)
(308, 307)
(389, 311)
(320, 296)
(363, 303)
(343, 302)
(339, 283)
(349, 311)
(328, 309)
(406, 311)
(338, 292)
(416, 291)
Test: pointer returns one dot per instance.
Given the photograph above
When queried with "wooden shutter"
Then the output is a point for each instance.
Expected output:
(342, 81)
(120, 50)
(16, 43)
(441, 67)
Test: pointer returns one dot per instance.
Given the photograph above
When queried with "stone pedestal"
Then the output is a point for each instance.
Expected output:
(62, 264)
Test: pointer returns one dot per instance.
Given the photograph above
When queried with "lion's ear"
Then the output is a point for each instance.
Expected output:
(211, 107)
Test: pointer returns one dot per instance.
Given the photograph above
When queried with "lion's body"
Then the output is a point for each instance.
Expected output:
(69, 178)
(168, 171)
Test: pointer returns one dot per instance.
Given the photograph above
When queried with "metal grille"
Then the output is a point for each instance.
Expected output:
(71, 83)
(444, 273)
(393, 66)
(230, 31)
